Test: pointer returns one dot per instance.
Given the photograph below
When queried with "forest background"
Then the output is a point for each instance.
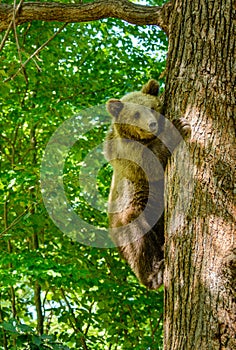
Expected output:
(56, 293)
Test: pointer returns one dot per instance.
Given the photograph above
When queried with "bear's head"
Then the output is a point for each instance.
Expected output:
(136, 115)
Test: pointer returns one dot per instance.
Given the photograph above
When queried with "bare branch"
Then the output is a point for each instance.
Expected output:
(35, 53)
(98, 9)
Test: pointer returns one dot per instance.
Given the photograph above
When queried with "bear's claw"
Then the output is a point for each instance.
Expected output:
(183, 126)
(155, 280)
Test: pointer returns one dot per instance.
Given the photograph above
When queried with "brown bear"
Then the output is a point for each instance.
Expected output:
(138, 146)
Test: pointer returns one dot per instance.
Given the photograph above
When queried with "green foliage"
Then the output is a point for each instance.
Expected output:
(89, 297)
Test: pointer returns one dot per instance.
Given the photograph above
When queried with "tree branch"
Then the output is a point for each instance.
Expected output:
(38, 305)
(98, 9)
(9, 25)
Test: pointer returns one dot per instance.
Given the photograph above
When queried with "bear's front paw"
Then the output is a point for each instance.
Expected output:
(183, 126)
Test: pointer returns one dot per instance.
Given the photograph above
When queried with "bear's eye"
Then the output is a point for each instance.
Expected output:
(137, 115)
(153, 110)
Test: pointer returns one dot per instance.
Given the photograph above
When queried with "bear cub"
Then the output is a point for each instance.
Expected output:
(138, 146)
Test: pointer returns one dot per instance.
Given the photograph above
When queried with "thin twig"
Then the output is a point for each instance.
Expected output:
(75, 324)
(35, 53)
(14, 222)
(17, 41)
(5, 342)
(157, 325)
(10, 24)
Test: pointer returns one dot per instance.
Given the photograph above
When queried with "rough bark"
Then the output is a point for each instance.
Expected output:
(53, 11)
(200, 221)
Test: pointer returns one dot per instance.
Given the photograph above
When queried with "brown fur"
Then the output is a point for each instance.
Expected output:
(136, 198)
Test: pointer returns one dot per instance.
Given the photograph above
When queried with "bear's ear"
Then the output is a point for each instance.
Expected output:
(114, 107)
(151, 88)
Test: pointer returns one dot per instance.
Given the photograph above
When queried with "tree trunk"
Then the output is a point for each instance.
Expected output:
(200, 310)
(200, 245)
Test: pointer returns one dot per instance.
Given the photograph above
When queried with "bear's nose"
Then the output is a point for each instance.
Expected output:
(152, 126)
